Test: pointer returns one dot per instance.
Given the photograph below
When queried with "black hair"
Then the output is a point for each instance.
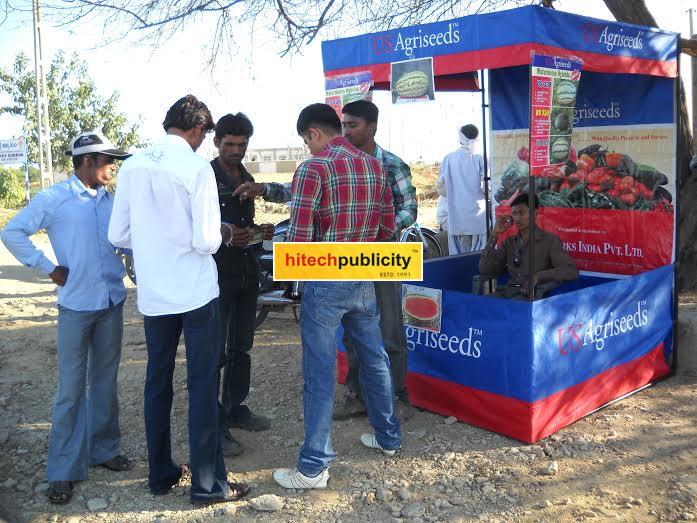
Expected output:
(234, 124)
(362, 109)
(188, 112)
(322, 116)
(470, 131)
(524, 198)
(77, 160)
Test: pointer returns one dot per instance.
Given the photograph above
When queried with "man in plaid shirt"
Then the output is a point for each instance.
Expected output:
(360, 122)
(360, 126)
(340, 195)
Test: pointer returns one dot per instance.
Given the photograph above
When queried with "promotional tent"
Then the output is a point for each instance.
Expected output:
(527, 369)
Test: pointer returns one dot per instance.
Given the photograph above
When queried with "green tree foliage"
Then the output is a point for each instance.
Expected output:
(12, 193)
(74, 107)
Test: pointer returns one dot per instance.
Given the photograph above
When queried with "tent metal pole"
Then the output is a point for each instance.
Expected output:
(676, 210)
(487, 175)
(531, 199)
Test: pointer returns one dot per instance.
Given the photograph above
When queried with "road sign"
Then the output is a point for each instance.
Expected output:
(13, 151)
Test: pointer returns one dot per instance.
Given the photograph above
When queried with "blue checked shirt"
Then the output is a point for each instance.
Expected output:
(76, 220)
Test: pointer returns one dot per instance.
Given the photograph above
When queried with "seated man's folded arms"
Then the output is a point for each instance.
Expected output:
(552, 264)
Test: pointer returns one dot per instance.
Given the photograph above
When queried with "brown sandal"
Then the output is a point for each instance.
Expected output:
(117, 464)
(60, 492)
(237, 491)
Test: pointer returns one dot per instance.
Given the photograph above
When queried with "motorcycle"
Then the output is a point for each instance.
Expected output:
(275, 295)
(279, 295)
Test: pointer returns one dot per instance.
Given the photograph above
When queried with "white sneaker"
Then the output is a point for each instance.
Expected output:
(293, 478)
(371, 442)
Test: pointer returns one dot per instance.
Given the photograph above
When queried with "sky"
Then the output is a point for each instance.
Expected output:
(256, 80)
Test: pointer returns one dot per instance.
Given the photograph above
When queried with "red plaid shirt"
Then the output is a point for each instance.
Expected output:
(341, 195)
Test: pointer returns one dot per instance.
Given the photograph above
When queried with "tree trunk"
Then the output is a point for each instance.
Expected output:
(636, 12)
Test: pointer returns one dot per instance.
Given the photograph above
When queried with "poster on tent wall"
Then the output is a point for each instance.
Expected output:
(612, 205)
(347, 88)
(553, 87)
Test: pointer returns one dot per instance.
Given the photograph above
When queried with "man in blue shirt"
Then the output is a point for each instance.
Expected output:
(75, 213)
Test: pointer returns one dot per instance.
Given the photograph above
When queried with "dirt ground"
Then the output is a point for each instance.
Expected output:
(633, 461)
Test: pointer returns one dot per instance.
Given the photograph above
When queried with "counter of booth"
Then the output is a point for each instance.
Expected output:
(527, 369)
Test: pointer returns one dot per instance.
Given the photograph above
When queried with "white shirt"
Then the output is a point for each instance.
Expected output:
(166, 210)
(461, 179)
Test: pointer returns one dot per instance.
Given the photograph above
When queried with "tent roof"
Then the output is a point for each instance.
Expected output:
(504, 39)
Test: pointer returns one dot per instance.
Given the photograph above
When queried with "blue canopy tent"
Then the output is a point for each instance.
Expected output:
(527, 369)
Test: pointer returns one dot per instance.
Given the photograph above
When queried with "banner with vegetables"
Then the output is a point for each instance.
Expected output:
(611, 203)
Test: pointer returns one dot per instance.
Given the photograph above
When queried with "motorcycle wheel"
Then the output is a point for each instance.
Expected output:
(432, 248)
(261, 316)
(130, 267)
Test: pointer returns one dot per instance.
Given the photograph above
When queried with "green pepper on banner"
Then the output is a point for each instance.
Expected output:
(553, 87)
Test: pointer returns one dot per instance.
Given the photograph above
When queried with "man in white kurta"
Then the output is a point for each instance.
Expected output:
(461, 180)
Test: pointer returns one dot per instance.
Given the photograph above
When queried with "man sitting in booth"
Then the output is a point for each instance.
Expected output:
(552, 264)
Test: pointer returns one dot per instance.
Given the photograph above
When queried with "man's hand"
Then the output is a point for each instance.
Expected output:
(59, 275)
(502, 223)
(236, 236)
(249, 190)
(525, 284)
(267, 230)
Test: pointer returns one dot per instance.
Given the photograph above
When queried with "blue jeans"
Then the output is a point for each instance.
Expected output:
(85, 424)
(201, 331)
(326, 305)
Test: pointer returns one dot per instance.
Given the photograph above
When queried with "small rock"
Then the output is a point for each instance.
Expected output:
(9, 483)
(382, 494)
(589, 514)
(96, 504)
(413, 510)
(370, 498)
(544, 504)
(451, 420)
(266, 503)
(404, 494)
(228, 511)
(638, 502)
(687, 516)
(552, 469)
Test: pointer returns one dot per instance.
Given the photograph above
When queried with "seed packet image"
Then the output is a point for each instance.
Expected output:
(412, 81)
(422, 307)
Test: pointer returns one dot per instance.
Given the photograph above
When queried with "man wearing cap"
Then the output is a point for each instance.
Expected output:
(75, 213)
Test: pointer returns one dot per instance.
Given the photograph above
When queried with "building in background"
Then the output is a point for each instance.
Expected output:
(271, 160)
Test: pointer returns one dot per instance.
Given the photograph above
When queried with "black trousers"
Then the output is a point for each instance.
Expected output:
(389, 297)
(238, 303)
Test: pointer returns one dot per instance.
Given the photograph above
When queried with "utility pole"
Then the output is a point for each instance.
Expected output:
(693, 66)
(43, 127)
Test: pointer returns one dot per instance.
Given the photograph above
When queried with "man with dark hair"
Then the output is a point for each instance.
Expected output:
(166, 210)
(237, 278)
(552, 264)
(75, 213)
(327, 191)
(360, 120)
(461, 182)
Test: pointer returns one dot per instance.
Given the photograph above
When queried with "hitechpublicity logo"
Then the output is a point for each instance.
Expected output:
(356, 261)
